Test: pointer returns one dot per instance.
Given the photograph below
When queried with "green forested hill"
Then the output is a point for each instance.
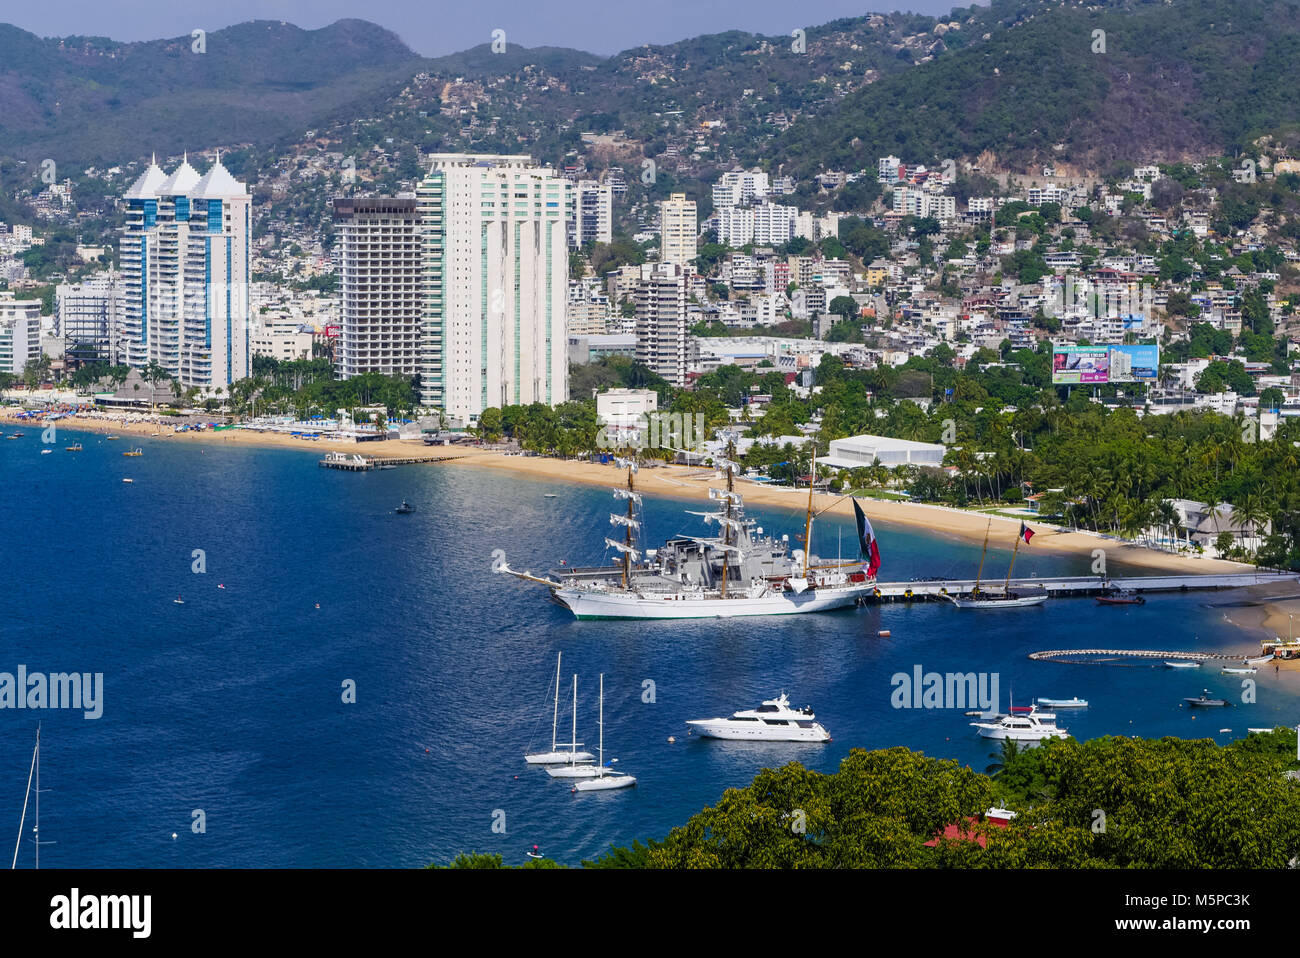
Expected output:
(1176, 78)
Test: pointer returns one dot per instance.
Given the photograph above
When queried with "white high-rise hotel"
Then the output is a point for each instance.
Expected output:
(185, 270)
(466, 283)
(496, 263)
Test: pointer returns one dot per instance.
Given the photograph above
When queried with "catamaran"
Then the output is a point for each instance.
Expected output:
(605, 778)
(555, 756)
(1006, 599)
(737, 573)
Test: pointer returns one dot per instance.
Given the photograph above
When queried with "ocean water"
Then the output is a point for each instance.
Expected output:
(232, 702)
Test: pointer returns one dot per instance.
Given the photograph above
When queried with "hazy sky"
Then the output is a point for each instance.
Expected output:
(435, 27)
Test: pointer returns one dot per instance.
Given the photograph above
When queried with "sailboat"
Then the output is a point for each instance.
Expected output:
(605, 778)
(1006, 599)
(555, 756)
(739, 572)
(36, 829)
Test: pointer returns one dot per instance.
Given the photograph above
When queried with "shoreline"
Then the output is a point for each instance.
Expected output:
(686, 483)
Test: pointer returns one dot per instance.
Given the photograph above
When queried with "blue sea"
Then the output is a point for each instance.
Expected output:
(233, 702)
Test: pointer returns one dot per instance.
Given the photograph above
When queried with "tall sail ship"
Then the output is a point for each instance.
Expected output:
(741, 571)
(1006, 599)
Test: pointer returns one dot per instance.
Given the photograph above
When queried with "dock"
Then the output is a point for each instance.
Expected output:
(1051, 654)
(357, 463)
(1082, 585)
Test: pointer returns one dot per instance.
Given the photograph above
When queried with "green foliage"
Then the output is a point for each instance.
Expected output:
(1167, 803)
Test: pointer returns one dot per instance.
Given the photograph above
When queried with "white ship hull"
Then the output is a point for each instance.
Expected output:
(722, 728)
(1017, 735)
(598, 604)
(559, 758)
(604, 782)
(573, 771)
(1018, 602)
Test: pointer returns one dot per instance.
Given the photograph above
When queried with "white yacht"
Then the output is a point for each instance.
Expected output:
(605, 778)
(773, 721)
(561, 753)
(1034, 726)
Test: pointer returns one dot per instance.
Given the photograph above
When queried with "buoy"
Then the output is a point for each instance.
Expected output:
(173, 836)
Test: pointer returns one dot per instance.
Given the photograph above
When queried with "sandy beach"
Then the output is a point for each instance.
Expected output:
(681, 482)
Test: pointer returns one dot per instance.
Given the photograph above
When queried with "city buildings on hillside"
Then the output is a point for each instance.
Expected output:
(678, 230)
(661, 323)
(593, 213)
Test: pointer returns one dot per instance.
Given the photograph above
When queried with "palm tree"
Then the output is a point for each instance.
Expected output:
(1250, 515)
(1010, 749)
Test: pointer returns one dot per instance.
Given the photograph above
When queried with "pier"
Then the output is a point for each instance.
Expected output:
(1082, 585)
(357, 463)
(1133, 654)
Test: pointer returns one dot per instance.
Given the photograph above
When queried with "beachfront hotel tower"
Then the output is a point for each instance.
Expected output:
(185, 275)
(494, 252)
(382, 285)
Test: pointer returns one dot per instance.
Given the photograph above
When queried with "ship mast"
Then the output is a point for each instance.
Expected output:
(1006, 587)
(726, 525)
(627, 532)
(807, 529)
(980, 574)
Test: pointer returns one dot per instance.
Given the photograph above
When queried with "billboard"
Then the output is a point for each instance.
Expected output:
(1074, 365)
(1134, 364)
(1080, 364)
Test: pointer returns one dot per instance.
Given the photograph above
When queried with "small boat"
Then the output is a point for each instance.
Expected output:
(550, 495)
(1182, 665)
(75, 447)
(999, 600)
(405, 508)
(1074, 703)
(134, 452)
(128, 480)
(605, 778)
(1034, 727)
(1021, 709)
(1008, 598)
(1228, 670)
(111, 438)
(178, 600)
(1204, 701)
(16, 435)
(570, 755)
(535, 852)
(1121, 597)
(773, 721)
(46, 452)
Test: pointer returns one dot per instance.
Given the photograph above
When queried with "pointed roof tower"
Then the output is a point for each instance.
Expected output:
(182, 180)
(146, 185)
(217, 183)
